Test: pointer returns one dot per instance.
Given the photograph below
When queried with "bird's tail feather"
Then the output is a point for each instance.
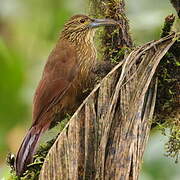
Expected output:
(27, 149)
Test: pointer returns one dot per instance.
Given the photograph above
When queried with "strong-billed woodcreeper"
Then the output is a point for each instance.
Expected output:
(66, 74)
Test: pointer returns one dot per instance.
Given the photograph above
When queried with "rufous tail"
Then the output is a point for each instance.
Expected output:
(27, 149)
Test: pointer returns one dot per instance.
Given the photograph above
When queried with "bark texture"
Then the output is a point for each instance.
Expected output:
(107, 135)
(115, 41)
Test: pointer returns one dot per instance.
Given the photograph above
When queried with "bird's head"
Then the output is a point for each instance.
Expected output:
(82, 26)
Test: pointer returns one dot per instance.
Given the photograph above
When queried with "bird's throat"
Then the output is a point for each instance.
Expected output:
(87, 58)
(86, 50)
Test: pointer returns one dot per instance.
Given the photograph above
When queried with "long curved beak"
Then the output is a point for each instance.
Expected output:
(102, 22)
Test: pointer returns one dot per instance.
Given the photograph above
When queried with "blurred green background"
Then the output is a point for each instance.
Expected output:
(28, 31)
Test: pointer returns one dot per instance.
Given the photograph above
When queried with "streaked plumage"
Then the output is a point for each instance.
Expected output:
(65, 76)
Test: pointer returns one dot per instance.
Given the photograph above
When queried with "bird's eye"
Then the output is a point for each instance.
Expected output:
(82, 21)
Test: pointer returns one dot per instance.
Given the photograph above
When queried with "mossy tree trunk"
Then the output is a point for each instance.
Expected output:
(107, 135)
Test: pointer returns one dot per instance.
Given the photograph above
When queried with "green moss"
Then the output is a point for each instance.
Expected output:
(168, 77)
(169, 20)
(171, 129)
(173, 145)
(14, 177)
(113, 39)
(34, 168)
(167, 104)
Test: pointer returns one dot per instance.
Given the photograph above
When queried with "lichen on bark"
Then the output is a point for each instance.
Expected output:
(167, 111)
(115, 41)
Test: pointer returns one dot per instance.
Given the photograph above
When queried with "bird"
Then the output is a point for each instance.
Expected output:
(66, 74)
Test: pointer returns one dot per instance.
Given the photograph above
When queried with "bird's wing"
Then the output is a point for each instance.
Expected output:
(59, 72)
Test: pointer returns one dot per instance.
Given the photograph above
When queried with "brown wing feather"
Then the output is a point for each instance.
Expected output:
(59, 72)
